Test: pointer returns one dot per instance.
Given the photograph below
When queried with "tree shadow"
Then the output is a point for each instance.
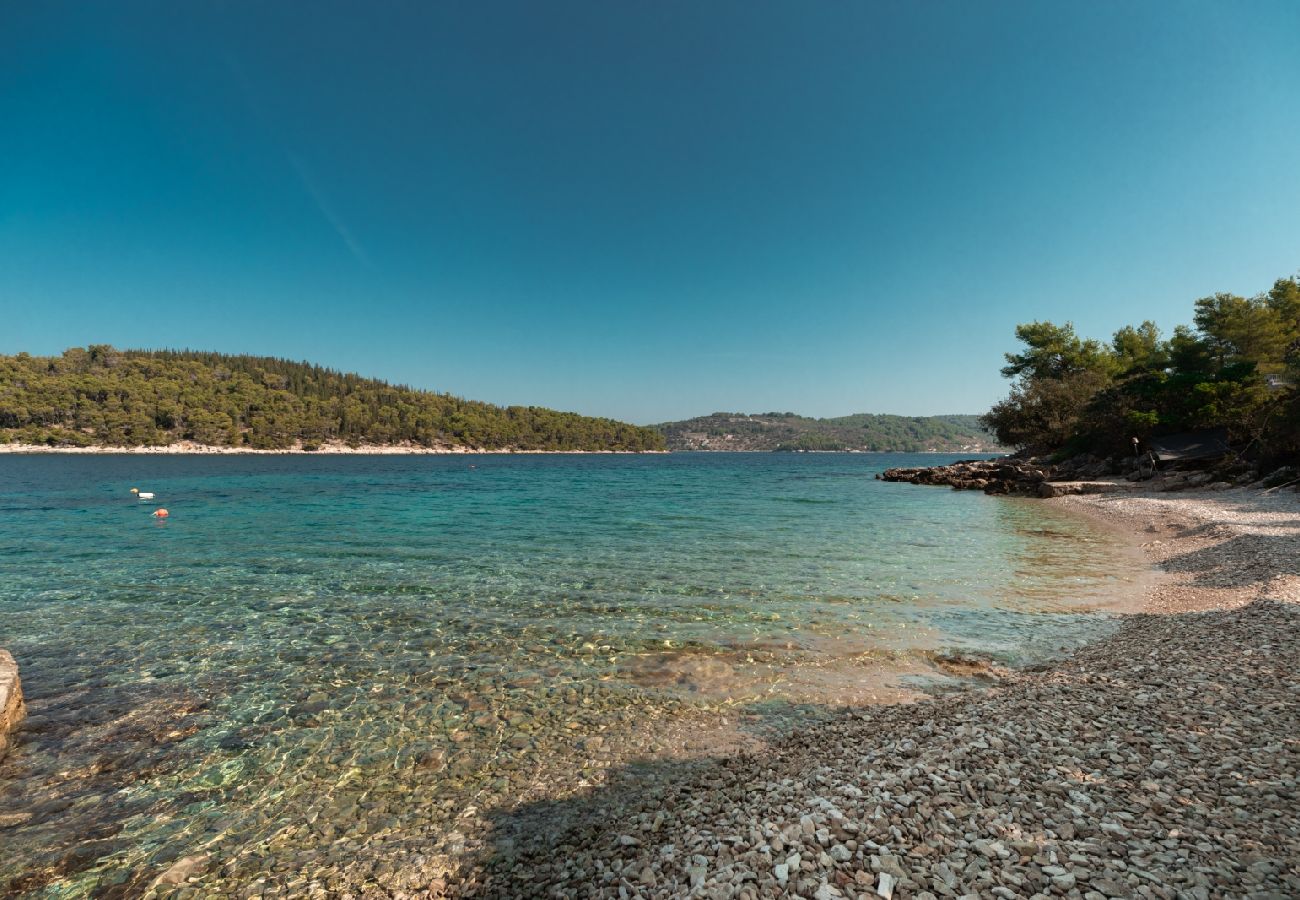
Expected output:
(542, 848)
(1243, 560)
(608, 841)
(535, 847)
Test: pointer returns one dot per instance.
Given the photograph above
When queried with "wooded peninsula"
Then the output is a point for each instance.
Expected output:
(100, 396)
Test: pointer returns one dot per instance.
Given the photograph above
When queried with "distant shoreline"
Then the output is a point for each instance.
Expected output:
(189, 448)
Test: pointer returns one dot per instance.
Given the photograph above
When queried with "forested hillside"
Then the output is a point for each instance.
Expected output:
(1235, 368)
(787, 431)
(102, 396)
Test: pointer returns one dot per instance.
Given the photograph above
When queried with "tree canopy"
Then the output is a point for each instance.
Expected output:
(1235, 368)
(102, 396)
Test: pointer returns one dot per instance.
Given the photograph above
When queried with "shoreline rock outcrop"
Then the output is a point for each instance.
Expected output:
(12, 708)
(1005, 475)
(1084, 474)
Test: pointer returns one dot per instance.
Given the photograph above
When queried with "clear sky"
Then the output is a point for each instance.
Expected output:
(647, 210)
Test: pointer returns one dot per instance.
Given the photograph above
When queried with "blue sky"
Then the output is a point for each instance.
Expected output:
(647, 210)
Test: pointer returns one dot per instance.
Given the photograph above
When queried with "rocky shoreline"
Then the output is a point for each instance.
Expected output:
(1004, 475)
(1159, 762)
(1009, 476)
(1039, 477)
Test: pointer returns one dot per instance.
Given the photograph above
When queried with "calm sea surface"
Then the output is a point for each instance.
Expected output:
(315, 654)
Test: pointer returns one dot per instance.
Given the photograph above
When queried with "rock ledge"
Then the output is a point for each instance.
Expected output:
(1006, 475)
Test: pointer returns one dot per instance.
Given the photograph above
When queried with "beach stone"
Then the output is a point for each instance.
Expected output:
(1065, 881)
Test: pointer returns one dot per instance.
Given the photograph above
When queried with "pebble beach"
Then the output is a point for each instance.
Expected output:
(1160, 761)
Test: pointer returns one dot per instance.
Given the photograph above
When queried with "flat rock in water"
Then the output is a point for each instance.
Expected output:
(183, 870)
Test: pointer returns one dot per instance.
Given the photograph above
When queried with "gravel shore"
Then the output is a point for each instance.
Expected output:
(1159, 762)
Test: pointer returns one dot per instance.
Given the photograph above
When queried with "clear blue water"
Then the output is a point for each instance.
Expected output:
(313, 651)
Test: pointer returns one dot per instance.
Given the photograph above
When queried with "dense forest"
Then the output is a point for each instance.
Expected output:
(1235, 368)
(787, 431)
(127, 398)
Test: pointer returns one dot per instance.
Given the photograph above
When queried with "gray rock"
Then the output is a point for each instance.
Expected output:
(12, 708)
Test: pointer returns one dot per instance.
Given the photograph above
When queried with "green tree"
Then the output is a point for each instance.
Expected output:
(1139, 350)
(1055, 351)
(133, 397)
(1044, 413)
(1070, 392)
(1237, 329)
(1284, 299)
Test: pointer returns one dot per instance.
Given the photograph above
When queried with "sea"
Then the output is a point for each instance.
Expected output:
(316, 663)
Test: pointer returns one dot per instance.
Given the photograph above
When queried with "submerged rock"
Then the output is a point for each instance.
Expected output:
(183, 870)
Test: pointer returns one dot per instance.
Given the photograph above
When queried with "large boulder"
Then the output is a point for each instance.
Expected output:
(1049, 489)
(12, 709)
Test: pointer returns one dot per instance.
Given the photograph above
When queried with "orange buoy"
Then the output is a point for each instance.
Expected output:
(160, 513)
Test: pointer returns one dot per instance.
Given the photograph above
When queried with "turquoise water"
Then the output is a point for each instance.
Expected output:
(313, 655)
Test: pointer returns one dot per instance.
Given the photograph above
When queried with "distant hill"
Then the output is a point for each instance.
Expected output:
(130, 398)
(787, 431)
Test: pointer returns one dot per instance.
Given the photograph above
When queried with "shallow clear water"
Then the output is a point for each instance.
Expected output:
(316, 650)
